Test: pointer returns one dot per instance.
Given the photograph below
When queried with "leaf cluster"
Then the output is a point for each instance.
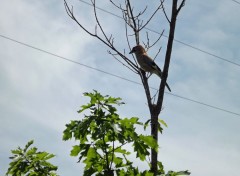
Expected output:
(103, 136)
(103, 139)
(103, 144)
(30, 162)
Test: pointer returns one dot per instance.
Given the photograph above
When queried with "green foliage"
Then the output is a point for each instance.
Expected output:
(102, 136)
(172, 173)
(160, 121)
(30, 162)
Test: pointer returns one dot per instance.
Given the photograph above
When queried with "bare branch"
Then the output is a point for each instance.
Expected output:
(181, 5)
(162, 1)
(167, 55)
(154, 43)
(118, 6)
(131, 16)
(107, 41)
(128, 42)
(154, 96)
(98, 23)
(114, 55)
(71, 15)
(126, 34)
(147, 90)
(140, 13)
(143, 26)
(159, 50)
(146, 45)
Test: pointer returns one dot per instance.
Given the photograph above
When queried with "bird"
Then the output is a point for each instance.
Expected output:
(146, 63)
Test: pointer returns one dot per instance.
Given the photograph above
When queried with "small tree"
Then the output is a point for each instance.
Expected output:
(30, 162)
(134, 22)
(103, 136)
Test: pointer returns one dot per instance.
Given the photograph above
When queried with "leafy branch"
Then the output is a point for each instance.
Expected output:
(29, 161)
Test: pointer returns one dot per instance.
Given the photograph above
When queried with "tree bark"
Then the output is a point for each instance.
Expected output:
(157, 108)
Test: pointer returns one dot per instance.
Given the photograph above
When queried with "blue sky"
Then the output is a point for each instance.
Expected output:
(40, 93)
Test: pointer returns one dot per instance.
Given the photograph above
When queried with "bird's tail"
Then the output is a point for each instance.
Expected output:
(159, 73)
(168, 87)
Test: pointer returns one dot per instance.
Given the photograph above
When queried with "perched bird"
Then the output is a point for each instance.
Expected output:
(146, 63)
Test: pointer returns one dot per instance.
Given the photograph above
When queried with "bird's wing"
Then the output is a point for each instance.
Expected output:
(153, 65)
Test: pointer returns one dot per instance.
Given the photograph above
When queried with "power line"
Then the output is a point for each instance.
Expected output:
(205, 104)
(117, 76)
(64, 58)
(178, 41)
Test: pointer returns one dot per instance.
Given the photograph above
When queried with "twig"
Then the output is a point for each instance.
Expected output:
(107, 41)
(159, 50)
(131, 16)
(143, 26)
(100, 26)
(157, 39)
(128, 42)
(118, 6)
(162, 1)
(147, 90)
(180, 7)
(154, 96)
(140, 13)
(114, 55)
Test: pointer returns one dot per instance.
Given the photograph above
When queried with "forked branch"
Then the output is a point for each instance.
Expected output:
(134, 22)
(108, 41)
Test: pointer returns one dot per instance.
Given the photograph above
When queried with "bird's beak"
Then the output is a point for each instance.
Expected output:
(131, 52)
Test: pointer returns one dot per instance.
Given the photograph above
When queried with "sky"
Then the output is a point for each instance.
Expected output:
(40, 93)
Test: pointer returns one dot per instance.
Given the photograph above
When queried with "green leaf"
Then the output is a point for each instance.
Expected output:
(134, 120)
(31, 151)
(160, 129)
(28, 145)
(84, 107)
(160, 168)
(150, 141)
(123, 151)
(172, 173)
(162, 122)
(49, 156)
(146, 124)
(25, 161)
(147, 173)
(141, 148)
(41, 155)
(75, 151)
(118, 161)
(91, 153)
(18, 152)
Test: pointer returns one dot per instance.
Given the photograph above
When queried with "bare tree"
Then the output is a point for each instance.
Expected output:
(135, 24)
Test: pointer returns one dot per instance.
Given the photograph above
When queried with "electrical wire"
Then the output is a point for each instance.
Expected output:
(178, 41)
(114, 75)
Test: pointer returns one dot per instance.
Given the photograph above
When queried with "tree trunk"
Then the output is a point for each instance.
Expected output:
(154, 133)
(156, 109)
